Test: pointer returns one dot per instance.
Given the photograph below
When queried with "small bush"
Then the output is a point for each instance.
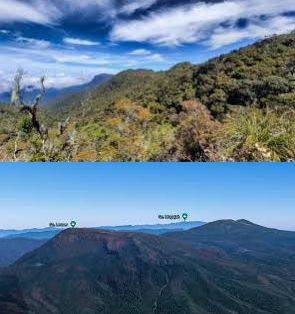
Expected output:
(25, 124)
(260, 135)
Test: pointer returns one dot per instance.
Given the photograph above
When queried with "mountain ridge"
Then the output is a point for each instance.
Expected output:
(124, 273)
(148, 228)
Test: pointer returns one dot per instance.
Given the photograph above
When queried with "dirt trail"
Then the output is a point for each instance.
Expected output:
(160, 293)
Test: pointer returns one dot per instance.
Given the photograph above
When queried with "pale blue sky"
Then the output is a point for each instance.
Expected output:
(32, 195)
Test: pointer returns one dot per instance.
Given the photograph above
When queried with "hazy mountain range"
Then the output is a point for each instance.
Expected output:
(56, 94)
(15, 243)
(49, 232)
(13, 249)
(222, 267)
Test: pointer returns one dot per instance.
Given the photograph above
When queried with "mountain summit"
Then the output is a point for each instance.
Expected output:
(236, 231)
(252, 244)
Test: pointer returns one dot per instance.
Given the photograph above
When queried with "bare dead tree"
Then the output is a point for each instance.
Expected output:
(16, 97)
(62, 126)
(16, 149)
(70, 145)
(290, 67)
(17, 100)
(51, 147)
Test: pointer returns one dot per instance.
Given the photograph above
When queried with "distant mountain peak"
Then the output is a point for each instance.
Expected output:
(222, 222)
(230, 222)
(246, 222)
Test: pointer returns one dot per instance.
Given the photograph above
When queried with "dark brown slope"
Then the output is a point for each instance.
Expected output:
(13, 249)
(92, 271)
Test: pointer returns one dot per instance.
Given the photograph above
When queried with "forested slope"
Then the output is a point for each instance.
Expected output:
(237, 107)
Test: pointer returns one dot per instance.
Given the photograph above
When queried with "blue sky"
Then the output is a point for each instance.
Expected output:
(32, 195)
(70, 41)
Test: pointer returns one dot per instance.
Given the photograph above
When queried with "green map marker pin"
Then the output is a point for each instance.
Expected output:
(184, 216)
(73, 224)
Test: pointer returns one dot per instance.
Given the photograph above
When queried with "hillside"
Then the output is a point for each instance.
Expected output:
(259, 75)
(250, 243)
(237, 107)
(137, 273)
(13, 249)
(237, 232)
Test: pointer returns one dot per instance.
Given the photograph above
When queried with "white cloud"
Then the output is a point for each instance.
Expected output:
(106, 9)
(51, 11)
(81, 42)
(196, 22)
(68, 57)
(275, 25)
(133, 5)
(58, 81)
(31, 11)
(140, 52)
(155, 57)
(102, 9)
(147, 55)
(38, 43)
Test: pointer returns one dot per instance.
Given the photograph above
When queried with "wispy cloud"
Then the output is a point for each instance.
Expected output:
(38, 43)
(80, 42)
(147, 55)
(197, 22)
(140, 52)
(52, 11)
(132, 6)
(257, 29)
(31, 11)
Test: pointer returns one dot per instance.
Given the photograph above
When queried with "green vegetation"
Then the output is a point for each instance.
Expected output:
(237, 107)
(263, 135)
